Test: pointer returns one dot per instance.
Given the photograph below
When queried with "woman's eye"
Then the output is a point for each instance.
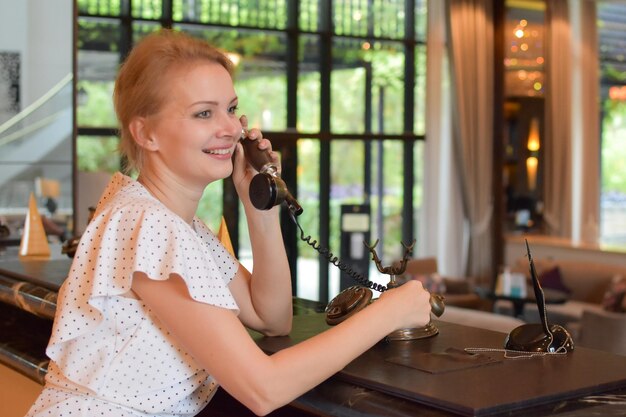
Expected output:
(233, 109)
(204, 114)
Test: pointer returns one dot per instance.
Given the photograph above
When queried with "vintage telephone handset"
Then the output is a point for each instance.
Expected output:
(267, 190)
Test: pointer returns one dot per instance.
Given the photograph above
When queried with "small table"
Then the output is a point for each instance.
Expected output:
(551, 297)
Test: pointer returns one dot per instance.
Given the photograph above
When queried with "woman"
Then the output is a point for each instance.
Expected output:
(153, 314)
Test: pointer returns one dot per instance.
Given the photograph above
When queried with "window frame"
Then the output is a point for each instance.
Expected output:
(286, 141)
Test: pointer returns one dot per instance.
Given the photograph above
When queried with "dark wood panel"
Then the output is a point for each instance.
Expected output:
(507, 385)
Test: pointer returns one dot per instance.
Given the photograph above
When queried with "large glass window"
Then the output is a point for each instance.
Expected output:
(36, 115)
(309, 199)
(309, 84)
(324, 80)
(612, 32)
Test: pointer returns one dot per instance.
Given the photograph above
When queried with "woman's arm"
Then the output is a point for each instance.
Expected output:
(265, 296)
(219, 342)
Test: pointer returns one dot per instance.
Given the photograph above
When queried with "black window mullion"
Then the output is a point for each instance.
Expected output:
(75, 207)
(367, 160)
(166, 14)
(325, 25)
(370, 17)
(289, 151)
(369, 80)
(126, 28)
(408, 222)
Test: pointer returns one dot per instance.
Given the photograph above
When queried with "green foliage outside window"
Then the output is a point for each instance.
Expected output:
(613, 149)
(613, 194)
(263, 100)
(97, 7)
(97, 108)
(97, 154)
(210, 206)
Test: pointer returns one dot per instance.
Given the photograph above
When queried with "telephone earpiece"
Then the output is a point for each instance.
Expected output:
(267, 189)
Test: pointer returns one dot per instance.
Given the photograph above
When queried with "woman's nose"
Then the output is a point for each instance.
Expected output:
(230, 126)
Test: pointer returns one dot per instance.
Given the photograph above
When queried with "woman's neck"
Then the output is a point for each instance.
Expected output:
(175, 197)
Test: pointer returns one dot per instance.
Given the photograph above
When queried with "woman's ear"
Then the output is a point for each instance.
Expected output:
(140, 130)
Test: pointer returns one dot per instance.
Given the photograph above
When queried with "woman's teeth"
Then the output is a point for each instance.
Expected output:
(217, 151)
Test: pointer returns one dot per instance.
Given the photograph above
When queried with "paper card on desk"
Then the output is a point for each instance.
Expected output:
(452, 359)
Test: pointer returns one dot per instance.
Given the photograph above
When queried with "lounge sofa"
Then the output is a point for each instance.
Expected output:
(602, 330)
(457, 292)
(480, 319)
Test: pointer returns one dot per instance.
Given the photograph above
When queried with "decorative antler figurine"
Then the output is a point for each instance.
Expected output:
(436, 300)
(391, 270)
(357, 297)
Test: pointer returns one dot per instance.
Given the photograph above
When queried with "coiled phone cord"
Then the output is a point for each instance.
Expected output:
(358, 277)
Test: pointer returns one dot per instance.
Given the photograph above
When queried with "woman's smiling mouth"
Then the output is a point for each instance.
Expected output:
(217, 151)
(225, 151)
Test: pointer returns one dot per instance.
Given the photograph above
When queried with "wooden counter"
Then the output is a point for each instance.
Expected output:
(359, 390)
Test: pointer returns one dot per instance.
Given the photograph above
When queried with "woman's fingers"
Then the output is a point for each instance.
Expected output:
(262, 144)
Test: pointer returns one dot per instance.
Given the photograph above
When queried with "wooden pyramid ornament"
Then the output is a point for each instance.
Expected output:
(34, 240)
(224, 237)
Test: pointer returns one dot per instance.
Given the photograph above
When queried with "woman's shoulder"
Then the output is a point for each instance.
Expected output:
(124, 191)
(125, 197)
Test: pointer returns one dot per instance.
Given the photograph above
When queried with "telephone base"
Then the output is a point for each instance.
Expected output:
(413, 333)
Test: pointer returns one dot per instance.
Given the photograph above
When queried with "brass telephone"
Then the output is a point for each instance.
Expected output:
(267, 190)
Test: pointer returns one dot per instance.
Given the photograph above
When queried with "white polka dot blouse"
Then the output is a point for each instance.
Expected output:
(108, 353)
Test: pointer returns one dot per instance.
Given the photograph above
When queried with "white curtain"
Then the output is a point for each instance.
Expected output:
(456, 213)
(585, 132)
(441, 231)
(558, 150)
(572, 158)
(471, 45)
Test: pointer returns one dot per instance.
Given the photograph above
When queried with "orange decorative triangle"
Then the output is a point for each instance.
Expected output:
(224, 237)
(34, 240)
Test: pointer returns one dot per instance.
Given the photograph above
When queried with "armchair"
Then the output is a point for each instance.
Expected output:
(459, 292)
(603, 330)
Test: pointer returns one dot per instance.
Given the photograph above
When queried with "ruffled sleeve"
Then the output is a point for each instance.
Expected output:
(131, 231)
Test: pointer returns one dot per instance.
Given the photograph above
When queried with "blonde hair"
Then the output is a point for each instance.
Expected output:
(140, 85)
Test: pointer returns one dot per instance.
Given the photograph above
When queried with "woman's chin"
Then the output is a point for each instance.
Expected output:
(221, 174)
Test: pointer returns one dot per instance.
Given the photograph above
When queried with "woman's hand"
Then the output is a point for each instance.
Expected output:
(243, 172)
(408, 305)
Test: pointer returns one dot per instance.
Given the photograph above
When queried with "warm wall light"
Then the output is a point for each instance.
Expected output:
(533, 143)
(531, 170)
